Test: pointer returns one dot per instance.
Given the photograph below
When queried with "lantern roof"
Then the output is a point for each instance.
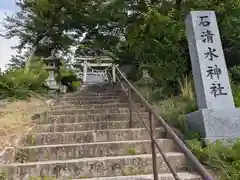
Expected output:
(52, 59)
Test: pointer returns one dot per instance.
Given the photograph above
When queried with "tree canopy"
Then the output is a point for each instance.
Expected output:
(148, 33)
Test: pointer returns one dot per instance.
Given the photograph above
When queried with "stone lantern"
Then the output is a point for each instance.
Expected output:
(145, 73)
(146, 78)
(53, 67)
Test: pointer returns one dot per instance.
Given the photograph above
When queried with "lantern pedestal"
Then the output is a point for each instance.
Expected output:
(53, 67)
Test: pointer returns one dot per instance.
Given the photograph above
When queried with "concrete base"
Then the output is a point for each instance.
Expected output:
(52, 84)
(63, 89)
(213, 125)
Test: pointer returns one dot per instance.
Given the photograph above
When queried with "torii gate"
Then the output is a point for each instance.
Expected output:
(103, 61)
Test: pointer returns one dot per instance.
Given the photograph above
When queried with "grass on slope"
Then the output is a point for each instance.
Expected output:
(15, 118)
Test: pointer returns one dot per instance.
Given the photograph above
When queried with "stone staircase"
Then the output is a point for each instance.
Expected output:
(87, 136)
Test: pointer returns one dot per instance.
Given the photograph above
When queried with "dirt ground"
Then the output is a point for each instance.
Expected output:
(15, 118)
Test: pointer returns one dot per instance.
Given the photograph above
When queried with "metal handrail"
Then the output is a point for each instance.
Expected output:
(152, 112)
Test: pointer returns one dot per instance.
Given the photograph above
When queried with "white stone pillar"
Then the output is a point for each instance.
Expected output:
(217, 117)
(113, 73)
(84, 72)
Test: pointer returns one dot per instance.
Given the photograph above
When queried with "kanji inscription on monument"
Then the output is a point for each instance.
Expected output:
(217, 118)
(208, 63)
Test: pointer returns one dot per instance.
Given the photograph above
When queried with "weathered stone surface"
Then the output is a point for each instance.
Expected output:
(89, 118)
(7, 156)
(213, 90)
(90, 97)
(101, 125)
(213, 124)
(164, 176)
(92, 106)
(92, 101)
(56, 107)
(100, 149)
(114, 151)
(92, 110)
(90, 136)
(73, 95)
(94, 167)
(82, 126)
(217, 117)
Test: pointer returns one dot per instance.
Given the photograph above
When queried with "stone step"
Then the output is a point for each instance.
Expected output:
(105, 89)
(89, 111)
(77, 118)
(89, 97)
(163, 176)
(102, 90)
(65, 127)
(82, 126)
(83, 106)
(84, 150)
(92, 93)
(93, 101)
(94, 167)
(75, 137)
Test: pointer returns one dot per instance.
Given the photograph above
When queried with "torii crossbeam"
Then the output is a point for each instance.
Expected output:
(87, 62)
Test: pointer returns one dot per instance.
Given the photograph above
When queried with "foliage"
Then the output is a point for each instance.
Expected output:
(237, 97)
(173, 109)
(186, 88)
(234, 74)
(140, 33)
(75, 85)
(69, 78)
(223, 158)
(38, 23)
(18, 84)
(150, 33)
(236, 93)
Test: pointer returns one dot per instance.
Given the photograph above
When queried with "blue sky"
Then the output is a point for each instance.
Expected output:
(8, 7)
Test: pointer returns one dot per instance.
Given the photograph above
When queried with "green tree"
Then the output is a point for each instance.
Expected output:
(140, 33)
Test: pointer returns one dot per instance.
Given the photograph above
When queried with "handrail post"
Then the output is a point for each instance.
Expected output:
(130, 106)
(153, 146)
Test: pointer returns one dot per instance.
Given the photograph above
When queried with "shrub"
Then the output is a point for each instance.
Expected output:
(76, 85)
(222, 158)
(18, 84)
(186, 88)
(69, 79)
(156, 95)
(235, 73)
(225, 160)
(236, 94)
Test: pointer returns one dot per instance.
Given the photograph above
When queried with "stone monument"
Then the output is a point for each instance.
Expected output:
(53, 67)
(217, 117)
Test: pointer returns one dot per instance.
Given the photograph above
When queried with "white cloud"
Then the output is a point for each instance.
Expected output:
(6, 44)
